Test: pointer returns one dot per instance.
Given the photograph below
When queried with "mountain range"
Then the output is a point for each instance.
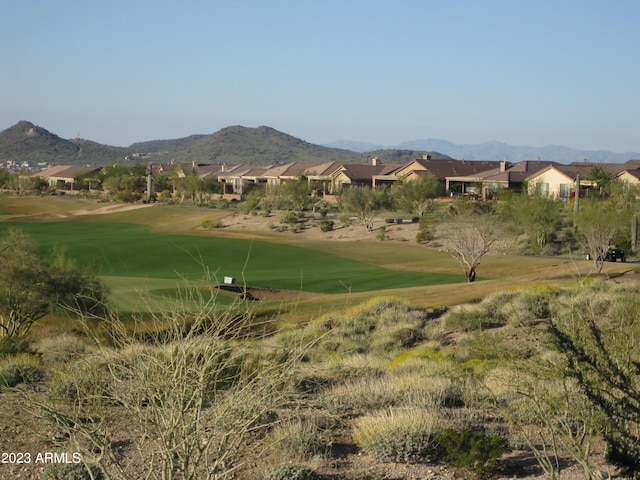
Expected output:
(263, 145)
(495, 150)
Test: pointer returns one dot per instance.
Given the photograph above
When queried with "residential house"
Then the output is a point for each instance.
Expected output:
(361, 174)
(63, 177)
(441, 168)
(239, 179)
(505, 176)
(559, 181)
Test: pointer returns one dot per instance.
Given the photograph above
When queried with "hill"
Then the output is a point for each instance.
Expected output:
(232, 145)
(26, 142)
(495, 150)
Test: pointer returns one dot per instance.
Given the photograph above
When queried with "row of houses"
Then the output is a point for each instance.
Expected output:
(476, 177)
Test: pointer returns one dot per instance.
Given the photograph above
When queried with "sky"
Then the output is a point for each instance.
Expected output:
(534, 72)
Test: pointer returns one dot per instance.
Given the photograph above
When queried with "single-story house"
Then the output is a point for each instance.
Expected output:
(505, 176)
(63, 177)
(360, 174)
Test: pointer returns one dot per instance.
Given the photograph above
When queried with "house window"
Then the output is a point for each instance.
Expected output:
(544, 189)
(564, 190)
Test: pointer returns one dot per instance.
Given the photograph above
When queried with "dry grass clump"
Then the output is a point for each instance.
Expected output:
(399, 435)
(62, 348)
(297, 440)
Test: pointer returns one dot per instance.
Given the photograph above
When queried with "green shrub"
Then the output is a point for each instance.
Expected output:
(208, 224)
(14, 344)
(291, 472)
(400, 436)
(70, 471)
(291, 218)
(472, 449)
(326, 225)
(7, 379)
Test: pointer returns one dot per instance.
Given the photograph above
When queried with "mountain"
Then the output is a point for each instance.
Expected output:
(260, 146)
(28, 142)
(494, 150)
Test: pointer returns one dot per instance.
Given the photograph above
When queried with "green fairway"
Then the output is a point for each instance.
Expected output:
(134, 252)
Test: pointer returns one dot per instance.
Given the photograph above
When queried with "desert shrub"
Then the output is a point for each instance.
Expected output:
(472, 450)
(326, 225)
(389, 220)
(426, 230)
(291, 218)
(537, 304)
(287, 471)
(382, 233)
(164, 195)
(345, 220)
(297, 439)
(70, 471)
(14, 344)
(400, 436)
(83, 382)
(61, 349)
(208, 224)
(468, 320)
(22, 368)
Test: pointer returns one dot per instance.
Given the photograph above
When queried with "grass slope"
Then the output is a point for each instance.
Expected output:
(134, 251)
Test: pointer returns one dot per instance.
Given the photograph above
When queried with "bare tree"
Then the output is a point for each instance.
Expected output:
(469, 238)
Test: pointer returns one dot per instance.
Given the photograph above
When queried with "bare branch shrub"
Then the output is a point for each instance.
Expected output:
(192, 389)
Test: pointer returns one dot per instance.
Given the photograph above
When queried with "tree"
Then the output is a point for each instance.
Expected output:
(417, 195)
(598, 225)
(299, 191)
(601, 177)
(469, 237)
(537, 215)
(33, 284)
(365, 203)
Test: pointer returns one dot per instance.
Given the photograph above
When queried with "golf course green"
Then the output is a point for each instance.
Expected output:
(132, 257)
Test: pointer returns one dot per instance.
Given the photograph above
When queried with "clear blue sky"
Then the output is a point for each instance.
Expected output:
(524, 72)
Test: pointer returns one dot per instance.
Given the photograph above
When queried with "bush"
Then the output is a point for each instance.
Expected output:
(70, 471)
(207, 224)
(389, 220)
(22, 368)
(297, 439)
(291, 472)
(326, 225)
(472, 449)
(471, 320)
(14, 344)
(291, 218)
(400, 436)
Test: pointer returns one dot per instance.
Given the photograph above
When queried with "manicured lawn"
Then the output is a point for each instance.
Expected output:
(134, 252)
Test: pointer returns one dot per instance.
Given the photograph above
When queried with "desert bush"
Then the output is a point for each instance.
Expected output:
(471, 319)
(14, 344)
(297, 439)
(290, 218)
(470, 449)
(22, 368)
(71, 471)
(195, 388)
(326, 225)
(400, 436)
(61, 349)
(209, 224)
(289, 471)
